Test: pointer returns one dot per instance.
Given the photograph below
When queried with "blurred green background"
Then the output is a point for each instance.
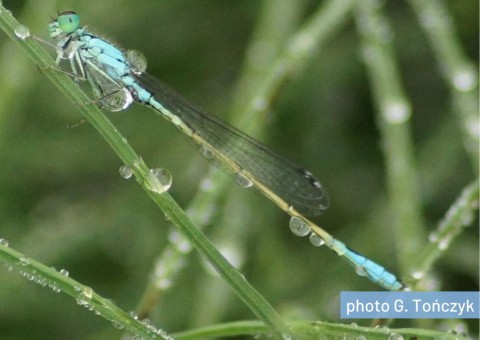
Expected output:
(63, 202)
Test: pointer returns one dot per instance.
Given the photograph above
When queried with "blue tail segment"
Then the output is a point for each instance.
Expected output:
(365, 267)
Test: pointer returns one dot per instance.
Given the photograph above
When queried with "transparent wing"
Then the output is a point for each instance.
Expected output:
(296, 186)
(105, 90)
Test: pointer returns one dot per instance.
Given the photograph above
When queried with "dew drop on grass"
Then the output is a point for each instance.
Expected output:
(3, 242)
(87, 292)
(24, 261)
(396, 112)
(464, 79)
(85, 297)
(22, 32)
(444, 243)
(385, 329)
(158, 180)
(64, 272)
(125, 171)
(395, 336)
(118, 325)
(433, 237)
(133, 315)
(55, 288)
(417, 275)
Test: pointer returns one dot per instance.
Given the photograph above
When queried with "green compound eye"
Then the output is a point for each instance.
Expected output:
(68, 21)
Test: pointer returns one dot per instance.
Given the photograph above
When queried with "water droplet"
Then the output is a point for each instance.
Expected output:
(7, 267)
(299, 227)
(125, 171)
(152, 329)
(138, 60)
(179, 241)
(417, 275)
(385, 329)
(85, 296)
(118, 325)
(55, 288)
(464, 79)
(87, 292)
(395, 336)
(473, 127)
(163, 284)
(206, 152)
(146, 322)
(22, 32)
(64, 272)
(433, 237)
(396, 112)
(316, 240)
(360, 271)
(158, 180)
(243, 180)
(444, 243)
(118, 100)
(41, 281)
(133, 315)
(24, 261)
(467, 219)
(3, 242)
(164, 335)
(81, 301)
(260, 104)
(206, 185)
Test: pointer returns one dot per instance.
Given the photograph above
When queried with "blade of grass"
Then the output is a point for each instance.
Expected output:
(461, 74)
(393, 117)
(316, 330)
(258, 305)
(458, 216)
(84, 296)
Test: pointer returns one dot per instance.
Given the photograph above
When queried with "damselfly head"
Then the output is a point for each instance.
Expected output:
(68, 21)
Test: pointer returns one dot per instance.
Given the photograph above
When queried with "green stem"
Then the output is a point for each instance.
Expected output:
(458, 216)
(393, 117)
(461, 74)
(84, 296)
(316, 330)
